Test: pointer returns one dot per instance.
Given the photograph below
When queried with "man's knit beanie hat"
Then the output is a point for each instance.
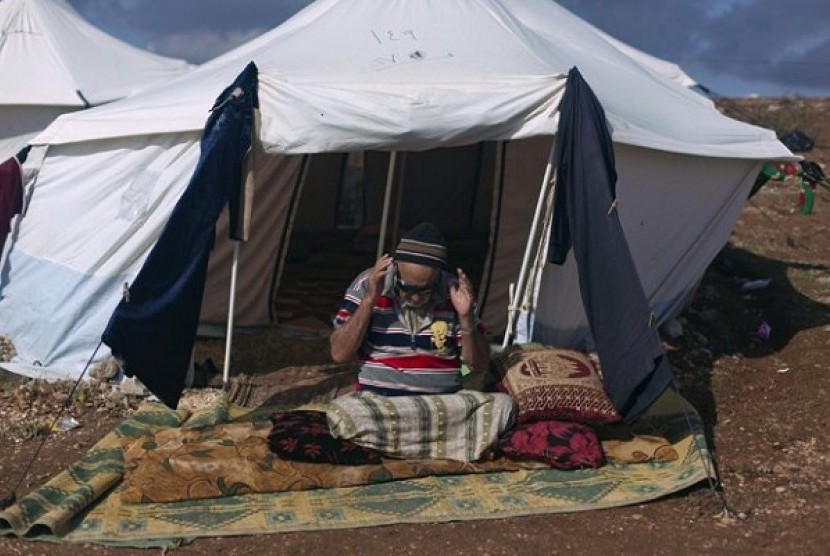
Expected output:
(423, 244)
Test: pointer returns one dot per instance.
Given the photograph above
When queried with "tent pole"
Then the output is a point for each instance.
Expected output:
(401, 184)
(518, 293)
(226, 369)
(387, 197)
(287, 231)
(531, 293)
(497, 194)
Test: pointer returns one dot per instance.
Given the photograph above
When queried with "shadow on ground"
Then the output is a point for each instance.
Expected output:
(726, 322)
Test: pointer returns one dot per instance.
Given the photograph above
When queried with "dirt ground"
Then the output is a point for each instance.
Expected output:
(764, 400)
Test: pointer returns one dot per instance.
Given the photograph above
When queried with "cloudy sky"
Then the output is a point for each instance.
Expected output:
(733, 47)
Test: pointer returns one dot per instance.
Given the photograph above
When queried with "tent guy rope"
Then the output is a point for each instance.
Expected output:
(7, 501)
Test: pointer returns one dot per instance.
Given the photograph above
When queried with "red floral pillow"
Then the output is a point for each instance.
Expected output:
(558, 384)
(305, 436)
(563, 445)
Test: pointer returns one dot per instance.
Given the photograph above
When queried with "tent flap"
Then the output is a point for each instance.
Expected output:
(153, 328)
(635, 366)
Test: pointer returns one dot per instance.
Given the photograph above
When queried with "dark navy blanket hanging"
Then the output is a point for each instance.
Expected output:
(153, 328)
(635, 367)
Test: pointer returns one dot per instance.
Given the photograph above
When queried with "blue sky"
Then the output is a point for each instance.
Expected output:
(733, 47)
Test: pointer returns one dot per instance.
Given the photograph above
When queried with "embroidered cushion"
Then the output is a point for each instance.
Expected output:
(557, 384)
(463, 426)
(563, 445)
(304, 436)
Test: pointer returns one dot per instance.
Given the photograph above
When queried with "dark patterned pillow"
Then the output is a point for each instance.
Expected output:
(304, 436)
(563, 445)
(554, 384)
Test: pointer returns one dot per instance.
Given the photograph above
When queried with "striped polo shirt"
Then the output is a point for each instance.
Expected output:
(424, 361)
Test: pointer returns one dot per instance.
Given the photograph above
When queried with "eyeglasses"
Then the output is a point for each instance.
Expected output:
(411, 289)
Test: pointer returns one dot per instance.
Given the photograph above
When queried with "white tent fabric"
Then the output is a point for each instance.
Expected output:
(502, 82)
(345, 76)
(52, 61)
(662, 67)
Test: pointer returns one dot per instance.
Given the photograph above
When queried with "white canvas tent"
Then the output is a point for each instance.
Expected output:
(468, 90)
(52, 61)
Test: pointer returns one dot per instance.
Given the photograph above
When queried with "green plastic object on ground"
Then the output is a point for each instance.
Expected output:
(809, 198)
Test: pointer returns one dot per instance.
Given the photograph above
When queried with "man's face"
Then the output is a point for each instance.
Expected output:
(415, 284)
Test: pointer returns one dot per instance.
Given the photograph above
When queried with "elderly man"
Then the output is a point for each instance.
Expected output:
(409, 322)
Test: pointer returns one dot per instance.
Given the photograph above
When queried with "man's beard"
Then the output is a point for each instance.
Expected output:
(420, 308)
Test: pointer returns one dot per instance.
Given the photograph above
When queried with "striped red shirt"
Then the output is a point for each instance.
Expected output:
(394, 357)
